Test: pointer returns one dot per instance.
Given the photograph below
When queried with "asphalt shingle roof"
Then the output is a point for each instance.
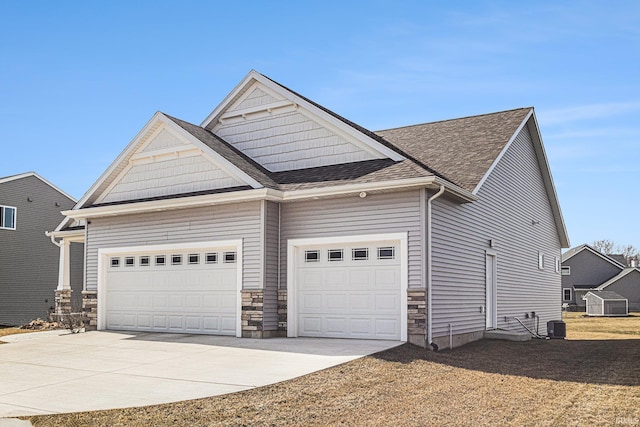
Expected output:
(608, 295)
(461, 149)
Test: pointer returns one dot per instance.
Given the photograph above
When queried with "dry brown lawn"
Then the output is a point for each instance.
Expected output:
(588, 379)
(11, 331)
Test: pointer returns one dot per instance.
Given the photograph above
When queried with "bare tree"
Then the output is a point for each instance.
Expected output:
(629, 251)
(604, 246)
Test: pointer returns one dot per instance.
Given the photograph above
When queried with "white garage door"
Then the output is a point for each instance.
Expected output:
(349, 291)
(173, 291)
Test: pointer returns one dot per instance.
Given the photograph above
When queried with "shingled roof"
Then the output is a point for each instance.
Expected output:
(461, 149)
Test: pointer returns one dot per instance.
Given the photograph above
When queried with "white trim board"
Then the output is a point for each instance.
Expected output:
(292, 265)
(103, 265)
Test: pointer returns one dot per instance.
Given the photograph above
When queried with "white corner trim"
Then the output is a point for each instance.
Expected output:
(503, 151)
(103, 263)
(293, 246)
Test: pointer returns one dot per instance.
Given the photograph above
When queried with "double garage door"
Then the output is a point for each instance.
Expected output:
(341, 290)
(187, 291)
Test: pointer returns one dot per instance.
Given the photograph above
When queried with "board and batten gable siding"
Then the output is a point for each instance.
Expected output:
(289, 140)
(215, 223)
(511, 198)
(348, 216)
(28, 259)
(271, 232)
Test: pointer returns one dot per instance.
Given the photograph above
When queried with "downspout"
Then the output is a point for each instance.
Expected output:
(53, 239)
(429, 268)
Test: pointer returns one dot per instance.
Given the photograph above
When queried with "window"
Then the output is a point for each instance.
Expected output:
(8, 217)
(360, 254)
(566, 270)
(212, 257)
(312, 256)
(176, 259)
(566, 294)
(540, 261)
(387, 252)
(335, 255)
(557, 265)
(194, 258)
(129, 261)
(161, 260)
(229, 257)
(115, 262)
(145, 261)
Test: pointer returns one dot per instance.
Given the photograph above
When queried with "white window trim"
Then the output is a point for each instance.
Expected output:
(566, 268)
(104, 255)
(540, 261)
(293, 248)
(15, 217)
(570, 294)
(557, 264)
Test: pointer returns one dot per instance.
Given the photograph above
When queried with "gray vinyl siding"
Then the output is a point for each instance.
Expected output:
(628, 287)
(76, 275)
(215, 223)
(510, 199)
(28, 259)
(271, 266)
(587, 269)
(375, 214)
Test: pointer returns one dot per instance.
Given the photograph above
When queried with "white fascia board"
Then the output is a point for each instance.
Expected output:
(371, 144)
(261, 194)
(543, 165)
(220, 161)
(121, 157)
(502, 153)
(71, 235)
(177, 203)
(28, 174)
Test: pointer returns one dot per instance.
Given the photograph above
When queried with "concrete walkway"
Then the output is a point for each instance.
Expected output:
(57, 372)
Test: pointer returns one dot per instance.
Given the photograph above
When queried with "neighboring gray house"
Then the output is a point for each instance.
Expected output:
(606, 303)
(585, 269)
(278, 217)
(29, 206)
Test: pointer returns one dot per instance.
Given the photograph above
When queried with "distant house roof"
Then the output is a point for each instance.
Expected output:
(28, 174)
(617, 277)
(574, 251)
(607, 295)
(619, 258)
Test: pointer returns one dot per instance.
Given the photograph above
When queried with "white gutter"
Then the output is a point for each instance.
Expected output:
(266, 194)
(429, 267)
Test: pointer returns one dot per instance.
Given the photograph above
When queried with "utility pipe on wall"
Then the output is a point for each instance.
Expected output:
(429, 265)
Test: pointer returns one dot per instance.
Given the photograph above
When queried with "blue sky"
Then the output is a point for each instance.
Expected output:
(78, 80)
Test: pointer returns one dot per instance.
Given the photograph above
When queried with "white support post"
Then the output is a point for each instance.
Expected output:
(64, 277)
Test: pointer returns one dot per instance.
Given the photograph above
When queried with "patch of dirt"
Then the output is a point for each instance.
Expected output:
(41, 325)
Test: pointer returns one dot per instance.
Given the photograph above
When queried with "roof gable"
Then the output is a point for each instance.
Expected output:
(622, 274)
(162, 160)
(33, 174)
(584, 247)
(283, 131)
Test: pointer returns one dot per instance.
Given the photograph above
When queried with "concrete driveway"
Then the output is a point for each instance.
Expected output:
(56, 372)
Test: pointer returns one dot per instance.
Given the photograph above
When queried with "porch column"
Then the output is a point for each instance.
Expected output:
(63, 291)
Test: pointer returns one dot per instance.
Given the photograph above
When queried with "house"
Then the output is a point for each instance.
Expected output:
(606, 303)
(277, 217)
(29, 206)
(585, 269)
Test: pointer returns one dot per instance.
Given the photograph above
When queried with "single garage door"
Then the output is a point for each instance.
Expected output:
(349, 291)
(185, 291)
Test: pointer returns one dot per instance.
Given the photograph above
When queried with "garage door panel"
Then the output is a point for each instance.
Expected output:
(194, 297)
(356, 296)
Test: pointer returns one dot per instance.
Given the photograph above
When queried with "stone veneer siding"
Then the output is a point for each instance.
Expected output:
(252, 313)
(416, 317)
(62, 302)
(90, 310)
(282, 313)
